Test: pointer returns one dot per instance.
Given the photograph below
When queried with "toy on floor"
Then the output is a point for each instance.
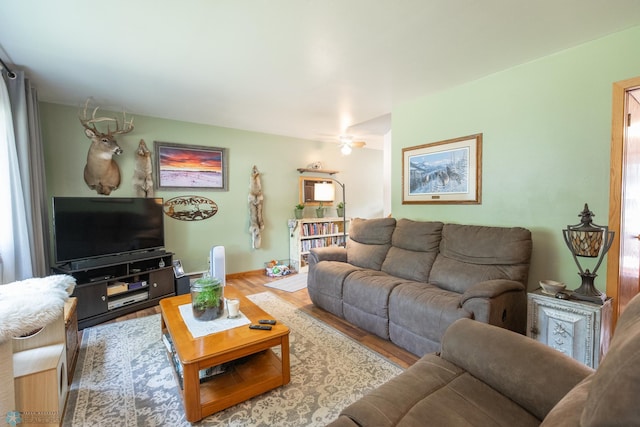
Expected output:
(278, 268)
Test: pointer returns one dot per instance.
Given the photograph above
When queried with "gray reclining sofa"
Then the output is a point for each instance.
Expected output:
(487, 376)
(407, 281)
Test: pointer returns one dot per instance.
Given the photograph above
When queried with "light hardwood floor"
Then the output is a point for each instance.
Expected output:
(253, 282)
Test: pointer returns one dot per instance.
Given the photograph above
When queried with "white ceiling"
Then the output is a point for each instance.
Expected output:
(309, 69)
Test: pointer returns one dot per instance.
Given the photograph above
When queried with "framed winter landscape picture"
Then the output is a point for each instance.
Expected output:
(443, 172)
(190, 166)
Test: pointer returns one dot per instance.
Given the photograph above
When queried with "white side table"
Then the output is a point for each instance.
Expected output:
(578, 329)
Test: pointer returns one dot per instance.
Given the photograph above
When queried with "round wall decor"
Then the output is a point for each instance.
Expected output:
(190, 208)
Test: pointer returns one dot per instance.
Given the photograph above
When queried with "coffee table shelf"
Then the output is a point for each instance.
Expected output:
(248, 379)
(253, 366)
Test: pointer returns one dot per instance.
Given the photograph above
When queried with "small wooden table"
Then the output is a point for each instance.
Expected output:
(254, 375)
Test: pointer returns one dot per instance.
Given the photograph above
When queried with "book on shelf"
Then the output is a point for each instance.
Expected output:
(204, 374)
(307, 245)
(318, 228)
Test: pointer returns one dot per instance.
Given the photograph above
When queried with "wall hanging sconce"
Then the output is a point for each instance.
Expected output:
(588, 240)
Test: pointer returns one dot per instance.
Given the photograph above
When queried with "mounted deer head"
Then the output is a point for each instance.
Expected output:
(101, 173)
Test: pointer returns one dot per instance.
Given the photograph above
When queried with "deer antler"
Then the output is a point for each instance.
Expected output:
(128, 125)
(90, 123)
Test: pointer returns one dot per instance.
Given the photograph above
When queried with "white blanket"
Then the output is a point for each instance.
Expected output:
(32, 303)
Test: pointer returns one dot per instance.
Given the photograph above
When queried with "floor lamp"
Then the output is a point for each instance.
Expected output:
(325, 192)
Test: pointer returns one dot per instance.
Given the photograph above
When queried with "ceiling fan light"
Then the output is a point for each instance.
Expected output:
(358, 144)
(346, 149)
(345, 139)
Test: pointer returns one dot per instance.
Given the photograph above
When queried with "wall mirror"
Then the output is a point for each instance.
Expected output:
(306, 190)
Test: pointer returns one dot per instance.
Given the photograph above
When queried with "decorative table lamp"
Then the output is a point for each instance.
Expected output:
(325, 192)
(588, 240)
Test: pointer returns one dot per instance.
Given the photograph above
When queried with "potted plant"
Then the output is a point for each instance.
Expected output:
(207, 298)
(320, 211)
(340, 209)
(299, 210)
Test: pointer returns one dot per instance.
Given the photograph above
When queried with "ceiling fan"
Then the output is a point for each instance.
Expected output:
(347, 143)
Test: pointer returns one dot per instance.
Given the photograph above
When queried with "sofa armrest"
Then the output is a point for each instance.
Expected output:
(530, 373)
(498, 302)
(329, 253)
(491, 289)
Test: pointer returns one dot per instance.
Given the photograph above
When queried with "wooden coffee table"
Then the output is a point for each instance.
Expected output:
(260, 372)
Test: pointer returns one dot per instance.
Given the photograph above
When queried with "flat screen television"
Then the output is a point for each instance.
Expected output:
(94, 227)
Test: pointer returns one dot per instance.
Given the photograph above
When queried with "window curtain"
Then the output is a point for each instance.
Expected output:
(24, 230)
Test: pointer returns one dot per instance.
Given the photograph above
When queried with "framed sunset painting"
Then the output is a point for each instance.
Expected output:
(190, 166)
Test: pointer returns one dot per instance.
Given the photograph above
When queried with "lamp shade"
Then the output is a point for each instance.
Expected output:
(586, 243)
(324, 192)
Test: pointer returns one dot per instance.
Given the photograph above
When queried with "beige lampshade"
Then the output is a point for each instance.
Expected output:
(324, 192)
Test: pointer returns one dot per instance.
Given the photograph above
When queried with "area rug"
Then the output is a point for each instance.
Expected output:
(123, 376)
(290, 284)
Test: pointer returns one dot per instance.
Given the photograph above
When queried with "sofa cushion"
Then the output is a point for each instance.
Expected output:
(470, 254)
(418, 236)
(486, 245)
(615, 388)
(423, 309)
(369, 241)
(411, 341)
(428, 390)
(409, 265)
(325, 281)
(414, 248)
(366, 300)
(521, 367)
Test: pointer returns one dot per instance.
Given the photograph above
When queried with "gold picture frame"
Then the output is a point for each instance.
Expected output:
(443, 172)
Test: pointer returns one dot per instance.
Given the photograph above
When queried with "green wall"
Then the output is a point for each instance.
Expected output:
(277, 158)
(546, 129)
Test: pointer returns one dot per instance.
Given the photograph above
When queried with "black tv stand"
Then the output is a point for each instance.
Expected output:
(112, 259)
(113, 286)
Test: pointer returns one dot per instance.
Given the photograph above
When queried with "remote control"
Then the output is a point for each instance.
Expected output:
(100, 278)
(261, 327)
(267, 322)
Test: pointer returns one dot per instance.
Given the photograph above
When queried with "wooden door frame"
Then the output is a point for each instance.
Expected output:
(618, 123)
